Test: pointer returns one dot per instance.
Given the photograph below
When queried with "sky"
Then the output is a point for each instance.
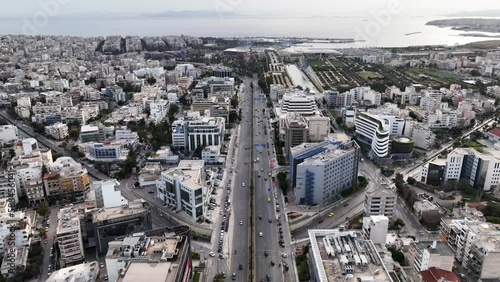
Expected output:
(249, 7)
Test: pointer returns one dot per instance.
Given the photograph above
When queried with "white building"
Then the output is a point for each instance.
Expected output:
(8, 186)
(58, 131)
(24, 102)
(69, 236)
(158, 109)
(29, 145)
(442, 119)
(22, 228)
(191, 133)
(375, 228)
(164, 156)
(319, 127)
(483, 168)
(83, 272)
(298, 102)
(183, 187)
(476, 245)
(374, 131)
(15, 259)
(8, 133)
(108, 194)
(106, 152)
(424, 255)
(211, 154)
(127, 135)
(322, 177)
(380, 202)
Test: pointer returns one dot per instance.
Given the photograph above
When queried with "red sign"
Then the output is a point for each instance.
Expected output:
(187, 271)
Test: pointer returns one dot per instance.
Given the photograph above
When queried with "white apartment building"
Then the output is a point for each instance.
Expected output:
(40, 109)
(375, 228)
(29, 177)
(24, 102)
(322, 177)
(380, 202)
(29, 145)
(422, 136)
(8, 186)
(83, 272)
(331, 98)
(442, 119)
(108, 194)
(211, 154)
(476, 245)
(373, 97)
(276, 91)
(424, 255)
(183, 187)
(106, 152)
(17, 259)
(127, 135)
(319, 127)
(23, 228)
(69, 236)
(8, 133)
(158, 109)
(198, 131)
(58, 131)
(374, 131)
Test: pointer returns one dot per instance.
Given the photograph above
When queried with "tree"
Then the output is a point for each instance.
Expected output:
(475, 73)
(398, 223)
(151, 80)
(411, 181)
(73, 133)
(397, 256)
(43, 210)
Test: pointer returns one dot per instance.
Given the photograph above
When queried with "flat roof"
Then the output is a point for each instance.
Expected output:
(117, 212)
(339, 255)
(152, 272)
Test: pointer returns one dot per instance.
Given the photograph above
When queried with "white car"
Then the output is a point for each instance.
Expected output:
(260, 234)
(241, 222)
(243, 184)
(212, 254)
(283, 255)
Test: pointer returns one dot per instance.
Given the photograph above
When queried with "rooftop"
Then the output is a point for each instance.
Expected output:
(435, 274)
(83, 272)
(495, 131)
(340, 255)
(118, 212)
(441, 248)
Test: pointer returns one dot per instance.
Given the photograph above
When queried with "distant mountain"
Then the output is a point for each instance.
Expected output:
(190, 14)
(483, 13)
(469, 24)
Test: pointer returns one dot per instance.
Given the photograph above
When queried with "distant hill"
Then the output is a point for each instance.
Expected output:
(488, 44)
(190, 14)
(469, 24)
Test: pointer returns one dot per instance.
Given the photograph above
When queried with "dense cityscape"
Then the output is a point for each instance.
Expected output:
(185, 158)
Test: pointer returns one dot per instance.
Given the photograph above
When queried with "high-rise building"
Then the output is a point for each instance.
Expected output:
(424, 255)
(91, 133)
(322, 177)
(296, 131)
(183, 187)
(380, 202)
(374, 132)
(108, 194)
(69, 237)
(106, 152)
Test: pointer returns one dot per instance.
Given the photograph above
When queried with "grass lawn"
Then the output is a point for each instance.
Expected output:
(366, 75)
(473, 144)
(315, 64)
(337, 63)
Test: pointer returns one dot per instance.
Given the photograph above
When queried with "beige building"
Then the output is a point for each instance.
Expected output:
(380, 202)
(69, 237)
(296, 132)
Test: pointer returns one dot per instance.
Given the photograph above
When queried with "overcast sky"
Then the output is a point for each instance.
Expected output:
(275, 7)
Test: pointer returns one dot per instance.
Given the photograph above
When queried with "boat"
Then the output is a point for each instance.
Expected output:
(411, 33)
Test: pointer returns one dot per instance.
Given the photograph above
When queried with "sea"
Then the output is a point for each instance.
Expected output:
(370, 31)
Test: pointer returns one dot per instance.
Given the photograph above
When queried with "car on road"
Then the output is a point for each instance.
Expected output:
(243, 184)
(241, 222)
(151, 192)
(266, 253)
(268, 277)
(102, 265)
(268, 200)
(270, 220)
(272, 263)
(260, 216)
(105, 277)
(283, 255)
(260, 234)
(221, 256)
(346, 204)
(45, 241)
(212, 254)
(331, 214)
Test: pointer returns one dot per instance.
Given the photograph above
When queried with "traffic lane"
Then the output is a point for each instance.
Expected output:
(269, 241)
(51, 233)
